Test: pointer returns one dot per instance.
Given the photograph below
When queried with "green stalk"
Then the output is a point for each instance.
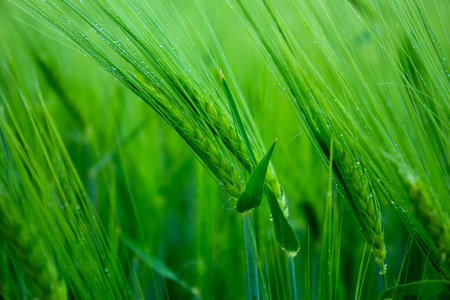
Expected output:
(291, 267)
(385, 285)
(250, 252)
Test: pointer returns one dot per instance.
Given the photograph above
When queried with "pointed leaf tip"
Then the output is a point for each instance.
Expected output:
(252, 195)
(221, 75)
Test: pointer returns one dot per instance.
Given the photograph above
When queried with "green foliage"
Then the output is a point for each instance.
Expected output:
(51, 234)
(104, 196)
(251, 196)
(284, 233)
(426, 288)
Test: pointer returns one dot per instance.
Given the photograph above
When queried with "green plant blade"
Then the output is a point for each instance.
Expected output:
(251, 196)
(237, 118)
(157, 265)
(422, 289)
(284, 233)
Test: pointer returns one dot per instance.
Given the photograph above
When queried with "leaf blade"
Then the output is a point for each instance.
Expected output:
(284, 233)
(425, 288)
(251, 196)
(156, 264)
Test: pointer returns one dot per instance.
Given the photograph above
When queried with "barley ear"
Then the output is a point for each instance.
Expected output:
(363, 201)
(435, 224)
(356, 185)
(25, 254)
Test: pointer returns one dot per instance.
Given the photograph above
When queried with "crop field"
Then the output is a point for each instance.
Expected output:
(224, 149)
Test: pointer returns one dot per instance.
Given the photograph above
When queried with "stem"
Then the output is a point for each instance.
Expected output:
(291, 267)
(250, 251)
(384, 277)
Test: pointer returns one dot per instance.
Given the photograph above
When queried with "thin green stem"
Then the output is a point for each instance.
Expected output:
(293, 282)
(384, 277)
(250, 251)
